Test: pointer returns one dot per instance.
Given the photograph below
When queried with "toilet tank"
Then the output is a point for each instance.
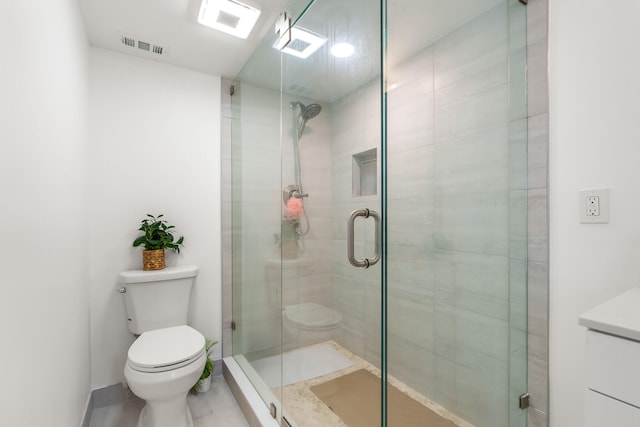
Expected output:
(157, 299)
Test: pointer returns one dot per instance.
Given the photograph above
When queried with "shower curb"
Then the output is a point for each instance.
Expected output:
(249, 401)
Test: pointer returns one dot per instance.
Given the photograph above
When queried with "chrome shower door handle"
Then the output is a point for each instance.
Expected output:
(366, 262)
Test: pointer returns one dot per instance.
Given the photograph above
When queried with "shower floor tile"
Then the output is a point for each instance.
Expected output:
(305, 409)
(216, 408)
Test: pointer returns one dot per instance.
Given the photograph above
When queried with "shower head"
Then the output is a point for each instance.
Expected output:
(310, 111)
(306, 112)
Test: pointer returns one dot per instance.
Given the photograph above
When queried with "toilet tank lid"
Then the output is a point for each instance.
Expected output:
(169, 273)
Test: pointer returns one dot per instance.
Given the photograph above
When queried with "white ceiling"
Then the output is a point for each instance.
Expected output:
(413, 25)
(172, 24)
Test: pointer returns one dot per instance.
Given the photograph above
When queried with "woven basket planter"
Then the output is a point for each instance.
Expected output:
(153, 259)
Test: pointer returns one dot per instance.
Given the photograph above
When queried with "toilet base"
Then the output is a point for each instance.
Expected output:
(171, 413)
(165, 393)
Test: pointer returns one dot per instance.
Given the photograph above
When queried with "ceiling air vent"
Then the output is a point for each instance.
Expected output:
(128, 41)
(143, 46)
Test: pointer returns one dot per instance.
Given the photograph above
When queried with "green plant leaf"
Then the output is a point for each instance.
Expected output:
(208, 365)
(157, 234)
(208, 344)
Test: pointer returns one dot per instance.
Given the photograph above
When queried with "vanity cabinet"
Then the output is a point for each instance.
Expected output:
(613, 362)
(612, 381)
(602, 411)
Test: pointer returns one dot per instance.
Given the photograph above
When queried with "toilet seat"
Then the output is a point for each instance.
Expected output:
(312, 316)
(166, 349)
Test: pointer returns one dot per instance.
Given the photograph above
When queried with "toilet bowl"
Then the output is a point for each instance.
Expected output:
(168, 357)
(309, 323)
(162, 365)
(304, 323)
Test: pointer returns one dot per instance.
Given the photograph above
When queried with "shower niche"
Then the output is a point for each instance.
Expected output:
(364, 173)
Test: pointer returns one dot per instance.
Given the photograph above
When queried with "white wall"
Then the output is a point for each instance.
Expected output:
(155, 148)
(44, 294)
(594, 142)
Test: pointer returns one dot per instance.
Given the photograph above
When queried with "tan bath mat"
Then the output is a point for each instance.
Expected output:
(355, 398)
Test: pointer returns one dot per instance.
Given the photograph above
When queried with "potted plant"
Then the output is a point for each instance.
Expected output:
(157, 236)
(204, 383)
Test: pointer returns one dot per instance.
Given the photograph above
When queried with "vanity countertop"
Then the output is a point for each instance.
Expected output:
(619, 316)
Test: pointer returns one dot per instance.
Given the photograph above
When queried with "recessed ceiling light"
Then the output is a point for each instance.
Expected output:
(303, 43)
(342, 50)
(229, 16)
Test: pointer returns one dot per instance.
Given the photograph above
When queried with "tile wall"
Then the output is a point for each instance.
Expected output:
(538, 208)
(226, 196)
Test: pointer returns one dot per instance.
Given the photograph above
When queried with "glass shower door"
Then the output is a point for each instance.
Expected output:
(457, 208)
(306, 211)
(380, 214)
(331, 148)
(256, 212)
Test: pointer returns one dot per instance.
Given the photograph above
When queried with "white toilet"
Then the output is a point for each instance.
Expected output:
(309, 323)
(305, 322)
(168, 357)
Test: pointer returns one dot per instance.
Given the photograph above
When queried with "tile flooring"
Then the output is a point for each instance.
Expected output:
(216, 408)
(304, 409)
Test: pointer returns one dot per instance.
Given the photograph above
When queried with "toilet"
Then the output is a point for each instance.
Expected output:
(305, 322)
(168, 356)
(309, 323)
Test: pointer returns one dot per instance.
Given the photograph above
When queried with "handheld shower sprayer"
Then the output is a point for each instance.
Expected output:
(307, 112)
(295, 192)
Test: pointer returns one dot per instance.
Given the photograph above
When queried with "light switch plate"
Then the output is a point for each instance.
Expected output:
(594, 206)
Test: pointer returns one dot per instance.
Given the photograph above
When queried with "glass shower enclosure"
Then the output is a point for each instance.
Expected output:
(379, 167)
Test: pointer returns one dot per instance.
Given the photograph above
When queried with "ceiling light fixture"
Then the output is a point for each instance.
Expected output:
(342, 50)
(303, 43)
(229, 16)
